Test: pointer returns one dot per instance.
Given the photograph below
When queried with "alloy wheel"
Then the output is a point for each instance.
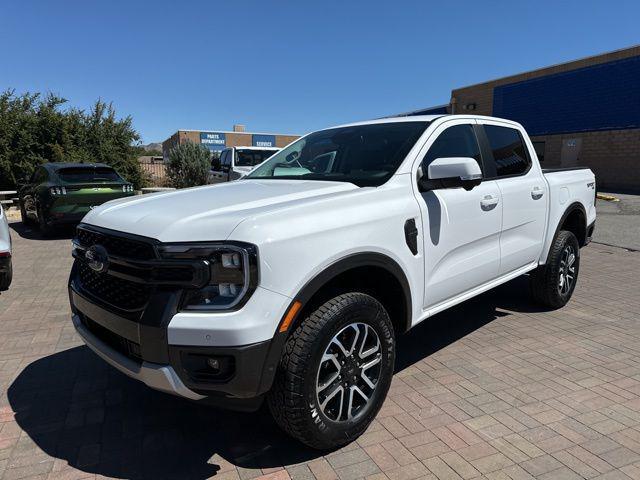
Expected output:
(567, 272)
(349, 372)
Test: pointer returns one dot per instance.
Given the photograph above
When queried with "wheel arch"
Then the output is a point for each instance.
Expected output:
(366, 270)
(574, 219)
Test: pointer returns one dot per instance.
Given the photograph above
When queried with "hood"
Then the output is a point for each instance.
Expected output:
(205, 213)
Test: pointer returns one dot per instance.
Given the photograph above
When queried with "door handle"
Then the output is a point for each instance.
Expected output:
(537, 193)
(488, 202)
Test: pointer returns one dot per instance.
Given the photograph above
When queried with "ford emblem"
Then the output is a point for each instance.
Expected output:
(97, 258)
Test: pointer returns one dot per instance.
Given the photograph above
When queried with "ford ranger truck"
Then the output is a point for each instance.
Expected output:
(293, 284)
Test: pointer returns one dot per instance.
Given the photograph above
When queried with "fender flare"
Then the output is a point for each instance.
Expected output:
(365, 259)
(569, 210)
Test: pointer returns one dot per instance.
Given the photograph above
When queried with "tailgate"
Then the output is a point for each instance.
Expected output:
(93, 195)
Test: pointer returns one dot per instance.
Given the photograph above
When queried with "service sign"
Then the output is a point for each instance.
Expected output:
(214, 141)
(264, 140)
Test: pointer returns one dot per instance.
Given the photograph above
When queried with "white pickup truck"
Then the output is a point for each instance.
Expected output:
(293, 283)
(235, 162)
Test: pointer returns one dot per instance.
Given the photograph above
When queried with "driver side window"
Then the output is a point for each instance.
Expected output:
(226, 158)
(456, 141)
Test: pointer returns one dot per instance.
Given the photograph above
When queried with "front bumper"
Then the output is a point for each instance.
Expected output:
(169, 351)
(159, 377)
(5, 264)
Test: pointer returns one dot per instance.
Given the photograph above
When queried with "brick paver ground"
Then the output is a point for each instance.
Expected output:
(494, 388)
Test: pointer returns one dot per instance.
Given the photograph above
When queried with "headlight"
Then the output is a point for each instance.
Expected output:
(233, 273)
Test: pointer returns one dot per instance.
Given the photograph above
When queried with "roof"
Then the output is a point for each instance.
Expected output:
(415, 118)
(231, 131)
(424, 118)
(631, 50)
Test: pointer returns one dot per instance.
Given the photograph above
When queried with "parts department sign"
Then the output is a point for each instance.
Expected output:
(264, 141)
(214, 141)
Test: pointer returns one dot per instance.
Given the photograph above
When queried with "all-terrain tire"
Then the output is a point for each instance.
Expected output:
(547, 286)
(45, 229)
(23, 214)
(294, 398)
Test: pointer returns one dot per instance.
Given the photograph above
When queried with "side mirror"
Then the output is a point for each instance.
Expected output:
(451, 172)
(215, 164)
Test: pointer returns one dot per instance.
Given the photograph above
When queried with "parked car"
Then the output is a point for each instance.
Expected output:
(62, 193)
(236, 162)
(6, 269)
(294, 283)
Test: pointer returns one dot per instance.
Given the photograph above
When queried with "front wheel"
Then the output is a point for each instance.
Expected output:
(552, 284)
(335, 372)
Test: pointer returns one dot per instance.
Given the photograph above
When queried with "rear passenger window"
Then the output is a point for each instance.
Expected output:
(456, 141)
(509, 151)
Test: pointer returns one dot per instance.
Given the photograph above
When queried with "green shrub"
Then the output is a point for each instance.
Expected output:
(36, 129)
(188, 165)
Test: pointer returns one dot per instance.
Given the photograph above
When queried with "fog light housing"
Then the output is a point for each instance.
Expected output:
(203, 368)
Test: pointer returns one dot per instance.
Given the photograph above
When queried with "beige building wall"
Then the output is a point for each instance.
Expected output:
(233, 139)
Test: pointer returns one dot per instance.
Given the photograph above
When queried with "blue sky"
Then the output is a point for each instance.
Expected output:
(289, 67)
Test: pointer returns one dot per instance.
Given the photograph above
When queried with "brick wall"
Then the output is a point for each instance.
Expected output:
(233, 139)
(613, 155)
(284, 140)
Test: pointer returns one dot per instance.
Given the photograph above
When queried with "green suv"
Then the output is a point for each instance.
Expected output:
(62, 193)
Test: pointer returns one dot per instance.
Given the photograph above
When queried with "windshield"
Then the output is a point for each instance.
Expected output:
(365, 155)
(88, 174)
(251, 158)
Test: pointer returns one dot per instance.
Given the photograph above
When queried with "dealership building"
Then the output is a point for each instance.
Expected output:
(218, 140)
(581, 113)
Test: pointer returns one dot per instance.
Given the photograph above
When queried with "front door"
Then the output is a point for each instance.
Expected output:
(461, 228)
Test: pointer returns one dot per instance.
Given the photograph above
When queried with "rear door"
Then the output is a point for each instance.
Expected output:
(461, 228)
(524, 194)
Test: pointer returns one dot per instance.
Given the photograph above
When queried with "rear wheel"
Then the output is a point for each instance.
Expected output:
(45, 229)
(25, 218)
(5, 278)
(335, 372)
(552, 284)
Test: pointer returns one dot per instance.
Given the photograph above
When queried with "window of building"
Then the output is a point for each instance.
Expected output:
(509, 151)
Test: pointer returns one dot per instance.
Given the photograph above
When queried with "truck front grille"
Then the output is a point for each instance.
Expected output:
(114, 291)
(119, 246)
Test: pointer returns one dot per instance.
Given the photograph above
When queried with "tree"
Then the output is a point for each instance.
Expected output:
(188, 165)
(35, 129)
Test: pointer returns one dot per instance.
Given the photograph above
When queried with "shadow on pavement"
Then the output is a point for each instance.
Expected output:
(77, 408)
(31, 232)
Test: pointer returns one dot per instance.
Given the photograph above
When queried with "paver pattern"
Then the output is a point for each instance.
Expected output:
(494, 388)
